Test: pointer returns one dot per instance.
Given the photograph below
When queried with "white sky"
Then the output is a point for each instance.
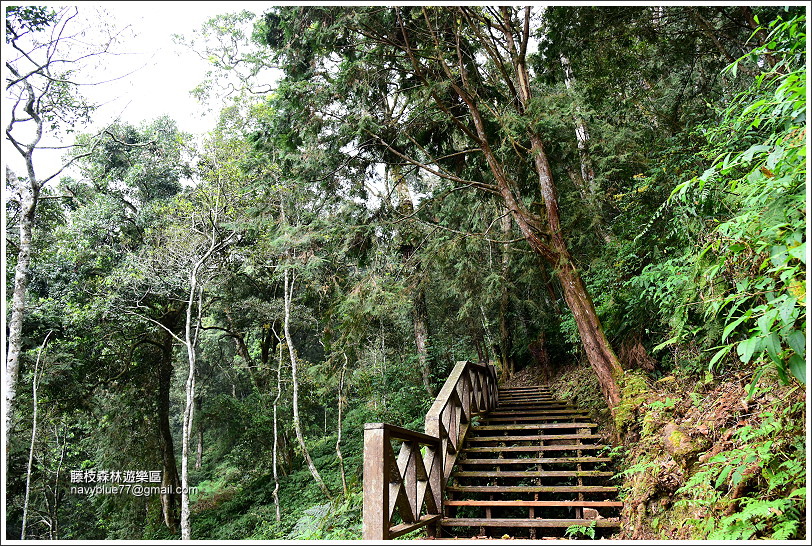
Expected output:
(165, 75)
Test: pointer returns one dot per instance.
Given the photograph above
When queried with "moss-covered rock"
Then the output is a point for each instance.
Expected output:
(682, 447)
(633, 392)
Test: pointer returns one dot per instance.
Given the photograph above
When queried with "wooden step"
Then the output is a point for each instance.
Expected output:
(539, 411)
(510, 489)
(533, 474)
(526, 522)
(521, 407)
(528, 398)
(515, 396)
(523, 390)
(532, 437)
(533, 426)
(530, 418)
(503, 449)
(535, 503)
(535, 460)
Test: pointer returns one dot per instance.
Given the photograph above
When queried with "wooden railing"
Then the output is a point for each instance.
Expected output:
(410, 486)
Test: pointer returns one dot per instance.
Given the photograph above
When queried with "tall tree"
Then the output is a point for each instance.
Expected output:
(45, 56)
(466, 68)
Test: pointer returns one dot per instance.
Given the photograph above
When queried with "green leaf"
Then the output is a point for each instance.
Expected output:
(669, 341)
(732, 326)
(754, 382)
(747, 347)
(774, 157)
(723, 476)
(786, 309)
(797, 342)
(797, 366)
(765, 321)
(773, 347)
(747, 156)
(719, 355)
(799, 252)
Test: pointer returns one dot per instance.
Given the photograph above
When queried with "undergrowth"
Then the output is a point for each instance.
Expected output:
(741, 473)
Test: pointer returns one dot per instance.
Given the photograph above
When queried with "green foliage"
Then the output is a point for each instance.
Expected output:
(576, 531)
(22, 19)
(759, 254)
(749, 270)
(668, 403)
(772, 454)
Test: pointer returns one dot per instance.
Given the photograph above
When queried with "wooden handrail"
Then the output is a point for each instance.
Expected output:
(412, 483)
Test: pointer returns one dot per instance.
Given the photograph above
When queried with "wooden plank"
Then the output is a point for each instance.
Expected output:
(403, 528)
(376, 485)
(533, 426)
(541, 417)
(532, 488)
(534, 437)
(400, 433)
(526, 522)
(563, 411)
(521, 408)
(531, 448)
(532, 474)
(510, 400)
(524, 388)
(537, 460)
(531, 401)
(520, 503)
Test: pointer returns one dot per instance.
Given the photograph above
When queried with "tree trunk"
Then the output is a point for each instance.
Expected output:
(276, 433)
(199, 457)
(421, 338)
(195, 292)
(297, 425)
(505, 340)
(28, 208)
(170, 481)
(34, 389)
(588, 188)
(598, 350)
(420, 318)
(55, 490)
(338, 441)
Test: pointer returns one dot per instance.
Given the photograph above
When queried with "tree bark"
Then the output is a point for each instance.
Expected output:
(338, 440)
(28, 208)
(170, 481)
(34, 391)
(276, 433)
(505, 340)
(421, 338)
(199, 457)
(195, 293)
(297, 425)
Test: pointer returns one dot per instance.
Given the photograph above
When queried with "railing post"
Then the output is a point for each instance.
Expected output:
(436, 479)
(390, 486)
(376, 483)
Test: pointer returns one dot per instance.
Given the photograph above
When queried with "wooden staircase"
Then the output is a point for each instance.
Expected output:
(532, 463)
(492, 462)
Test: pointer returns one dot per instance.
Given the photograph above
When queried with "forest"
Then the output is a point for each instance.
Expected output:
(610, 201)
